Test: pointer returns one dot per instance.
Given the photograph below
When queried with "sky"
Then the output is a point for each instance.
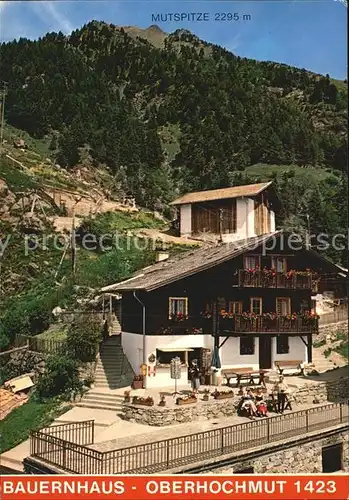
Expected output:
(306, 34)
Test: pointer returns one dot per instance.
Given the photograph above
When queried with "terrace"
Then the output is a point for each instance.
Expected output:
(71, 449)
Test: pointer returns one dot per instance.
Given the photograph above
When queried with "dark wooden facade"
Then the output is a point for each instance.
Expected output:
(213, 289)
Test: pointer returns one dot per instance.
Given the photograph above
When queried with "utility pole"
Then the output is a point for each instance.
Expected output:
(3, 94)
(221, 224)
(73, 247)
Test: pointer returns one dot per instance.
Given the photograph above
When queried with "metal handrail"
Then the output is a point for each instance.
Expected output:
(170, 453)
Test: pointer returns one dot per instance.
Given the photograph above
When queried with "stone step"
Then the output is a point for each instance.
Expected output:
(99, 405)
(109, 373)
(103, 398)
(120, 383)
(110, 362)
(111, 378)
(108, 395)
(112, 366)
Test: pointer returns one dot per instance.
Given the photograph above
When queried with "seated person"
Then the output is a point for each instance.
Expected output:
(262, 410)
(247, 404)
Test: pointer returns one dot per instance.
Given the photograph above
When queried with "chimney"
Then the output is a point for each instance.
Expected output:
(162, 255)
(161, 252)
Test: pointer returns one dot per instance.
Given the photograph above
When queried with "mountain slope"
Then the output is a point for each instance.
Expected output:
(112, 89)
(166, 114)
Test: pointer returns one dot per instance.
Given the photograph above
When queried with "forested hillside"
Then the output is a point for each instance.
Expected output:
(180, 114)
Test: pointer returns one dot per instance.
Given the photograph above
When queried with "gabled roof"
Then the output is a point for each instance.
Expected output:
(190, 263)
(196, 261)
(221, 194)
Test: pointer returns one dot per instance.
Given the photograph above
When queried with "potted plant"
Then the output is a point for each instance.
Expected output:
(206, 395)
(148, 401)
(178, 317)
(137, 382)
(223, 394)
(187, 399)
(162, 399)
(127, 397)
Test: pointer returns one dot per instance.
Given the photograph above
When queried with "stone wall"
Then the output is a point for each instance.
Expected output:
(21, 360)
(161, 416)
(332, 328)
(320, 392)
(300, 459)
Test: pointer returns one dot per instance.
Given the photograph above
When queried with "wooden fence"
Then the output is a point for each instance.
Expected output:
(42, 345)
(76, 457)
(340, 313)
(54, 346)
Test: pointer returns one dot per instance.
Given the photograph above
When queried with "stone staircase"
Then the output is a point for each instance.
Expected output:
(102, 401)
(113, 372)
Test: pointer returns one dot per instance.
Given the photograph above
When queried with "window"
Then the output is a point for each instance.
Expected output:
(279, 263)
(235, 307)
(256, 305)
(283, 306)
(164, 357)
(304, 305)
(246, 345)
(252, 261)
(282, 344)
(332, 458)
(178, 306)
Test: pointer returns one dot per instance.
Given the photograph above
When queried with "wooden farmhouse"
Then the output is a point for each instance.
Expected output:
(248, 301)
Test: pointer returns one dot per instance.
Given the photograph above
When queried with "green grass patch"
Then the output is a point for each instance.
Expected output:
(34, 415)
(55, 332)
(308, 174)
(120, 222)
(16, 179)
(40, 146)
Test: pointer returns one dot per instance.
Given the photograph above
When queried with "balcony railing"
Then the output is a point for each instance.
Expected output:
(262, 324)
(190, 325)
(268, 279)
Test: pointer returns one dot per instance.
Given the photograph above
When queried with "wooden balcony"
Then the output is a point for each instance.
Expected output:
(192, 325)
(261, 324)
(262, 279)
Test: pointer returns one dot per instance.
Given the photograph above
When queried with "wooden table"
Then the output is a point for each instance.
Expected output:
(246, 375)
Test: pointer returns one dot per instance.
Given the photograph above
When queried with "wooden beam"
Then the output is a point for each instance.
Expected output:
(304, 342)
(224, 341)
(310, 349)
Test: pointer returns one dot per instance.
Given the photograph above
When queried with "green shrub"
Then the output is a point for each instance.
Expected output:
(61, 378)
(84, 336)
(327, 352)
(319, 343)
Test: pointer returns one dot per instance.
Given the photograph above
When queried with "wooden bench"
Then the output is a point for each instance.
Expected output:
(247, 373)
(289, 364)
